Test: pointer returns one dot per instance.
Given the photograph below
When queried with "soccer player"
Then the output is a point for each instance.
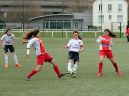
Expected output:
(7, 41)
(75, 46)
(127, 33)
(34, 40)
(105, 42)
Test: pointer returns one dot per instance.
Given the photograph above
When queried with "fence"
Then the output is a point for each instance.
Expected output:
(91, 32)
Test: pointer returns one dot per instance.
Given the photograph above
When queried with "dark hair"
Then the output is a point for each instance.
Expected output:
(7, 30)
(30, 34)
(110, 33)
(79, 36)
(127, 26)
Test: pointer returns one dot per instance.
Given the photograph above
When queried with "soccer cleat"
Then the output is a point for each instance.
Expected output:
(61, 75)
(18, 65)
(73, 75)
(67, 72)
(119, 72)
(99, 74)
(27, 79)
(6, 65)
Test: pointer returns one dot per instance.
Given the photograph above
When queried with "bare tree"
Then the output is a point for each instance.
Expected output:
(20, 11)
(79, 5)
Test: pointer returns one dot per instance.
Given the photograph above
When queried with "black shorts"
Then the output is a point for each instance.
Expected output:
(9, 48)
(74, 56)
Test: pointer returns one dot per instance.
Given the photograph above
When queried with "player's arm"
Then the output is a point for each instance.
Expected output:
(111, 42)
(29, 45)
(67, 45)
(24, 41)
(81, 46)
(1, 41)
(13, 38)
(99, 39)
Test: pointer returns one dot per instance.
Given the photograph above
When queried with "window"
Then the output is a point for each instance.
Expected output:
(120, 18)
(100, 19)
(110, 17)
(109, 7)
(100, 7)
(59, 24)
(119, 7)
(67, 25)
(52, 24)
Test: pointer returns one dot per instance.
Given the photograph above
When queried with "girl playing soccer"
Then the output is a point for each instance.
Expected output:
(7, 41)
(105, 42)
(34, 40)
(75, 46)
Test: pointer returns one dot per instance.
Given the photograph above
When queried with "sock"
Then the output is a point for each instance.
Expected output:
(56, 69)
(15, 58)
(69, 66)
(115, 66)
(75, 66)
(100, 67)
(32, 73)
(6, 59)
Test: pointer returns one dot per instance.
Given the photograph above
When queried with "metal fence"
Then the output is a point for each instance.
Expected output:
(64, 32)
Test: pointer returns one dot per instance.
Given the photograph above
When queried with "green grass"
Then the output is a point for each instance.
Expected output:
(46, 83)
(63, 34)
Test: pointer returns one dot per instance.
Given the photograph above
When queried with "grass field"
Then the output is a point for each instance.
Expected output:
(46, 83)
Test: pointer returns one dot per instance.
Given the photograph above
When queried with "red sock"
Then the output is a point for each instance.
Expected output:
(100, 67)
(56, 69)
(32, 73)
(115, 66)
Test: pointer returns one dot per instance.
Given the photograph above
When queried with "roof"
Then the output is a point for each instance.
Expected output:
(50, 16)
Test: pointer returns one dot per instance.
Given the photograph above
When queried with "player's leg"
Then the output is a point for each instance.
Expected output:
(40, 61)
(115, 66)
(127, 38)
(12, 50)
(6, 56)
(34, 71)
(70, 62)
(69, 66)
(48, 58)
(100, 65)
(76, 61)
(56, 68)
(109, 55)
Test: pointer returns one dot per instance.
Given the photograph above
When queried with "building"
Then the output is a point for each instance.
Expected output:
(50, 12)
(75, 21)
(110, 14)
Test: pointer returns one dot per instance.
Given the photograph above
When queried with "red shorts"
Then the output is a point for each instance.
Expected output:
(43, 58)
(107, 53)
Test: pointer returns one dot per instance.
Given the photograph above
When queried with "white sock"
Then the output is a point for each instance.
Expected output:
(75, 67)
(15, 58)
(69, 66)
(6, 59)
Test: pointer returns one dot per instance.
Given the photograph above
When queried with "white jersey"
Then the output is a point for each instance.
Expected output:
(8, 40)
(37, 44)
(74, 45)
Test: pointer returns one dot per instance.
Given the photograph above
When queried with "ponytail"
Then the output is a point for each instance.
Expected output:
(7, 30)
(110, 33)
(80, 37)
(31, 34)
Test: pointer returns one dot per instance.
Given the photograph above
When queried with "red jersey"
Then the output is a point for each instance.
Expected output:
(127, 31)
(38, 45)
(105, 42)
